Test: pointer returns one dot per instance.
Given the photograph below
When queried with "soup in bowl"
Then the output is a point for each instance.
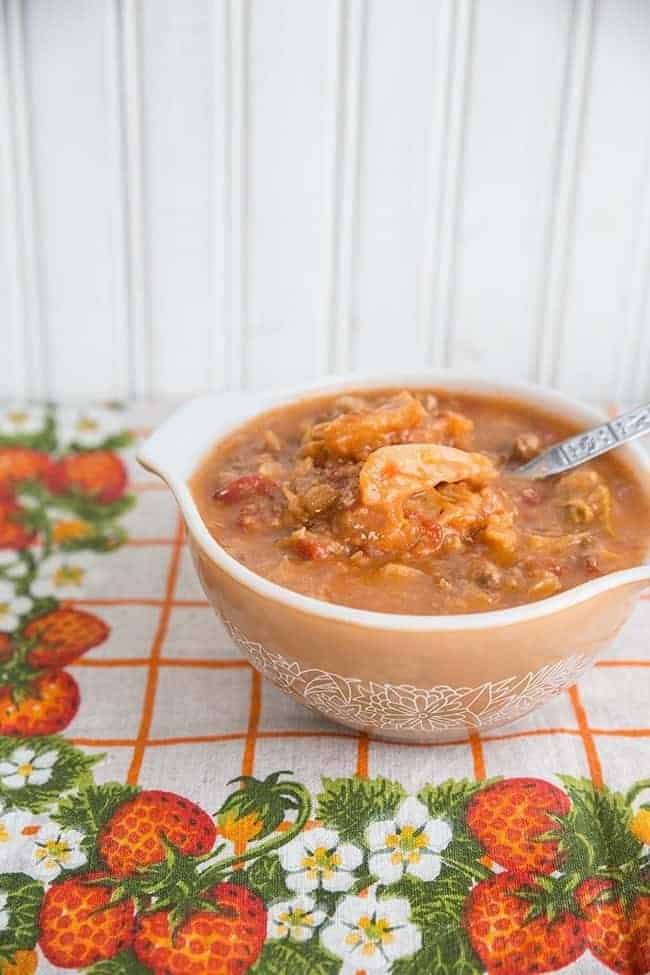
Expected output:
(370, 548)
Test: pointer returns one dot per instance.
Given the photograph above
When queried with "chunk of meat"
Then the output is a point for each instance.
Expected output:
(393, 474)
(319, 498)
(526, 446)
(356, 434)
(585, 497)
(486, 574)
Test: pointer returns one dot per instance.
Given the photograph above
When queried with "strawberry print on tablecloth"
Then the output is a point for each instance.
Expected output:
(62, 494)
(352, 874)
(359, 878)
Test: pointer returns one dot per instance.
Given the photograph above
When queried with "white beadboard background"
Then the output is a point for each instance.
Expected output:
(206, 194)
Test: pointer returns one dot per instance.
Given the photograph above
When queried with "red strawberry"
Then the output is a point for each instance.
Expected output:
(132, 836)
(99, 474)
(6, 648)
(508, 818)
(78, 928)
(618, 937)
(227, 942)
(19, 464)
(44, 707)
(13, 533)
(506, 942)
(63, 635)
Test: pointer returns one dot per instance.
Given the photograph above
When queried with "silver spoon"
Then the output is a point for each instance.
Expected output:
(585, 446)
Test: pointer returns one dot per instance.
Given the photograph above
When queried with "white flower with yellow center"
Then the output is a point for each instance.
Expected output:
(4, 913)
(25, 767)
(17, 833)
(19, 420)
(88, 427)
(295, 920)
(410, 843)
(54, 850)
(11, 564)
(316, 859)
(370, 934)
(64, 575)
(12, 607)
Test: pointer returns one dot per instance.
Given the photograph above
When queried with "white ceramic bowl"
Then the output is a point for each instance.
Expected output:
(417, 678)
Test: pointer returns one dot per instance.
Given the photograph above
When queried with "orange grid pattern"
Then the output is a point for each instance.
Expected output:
(154, 662)
(154, 657)
(252, 733)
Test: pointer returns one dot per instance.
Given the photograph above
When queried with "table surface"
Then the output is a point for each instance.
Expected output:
(363, 856)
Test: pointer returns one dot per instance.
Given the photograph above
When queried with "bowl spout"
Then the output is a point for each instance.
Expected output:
(175, 448)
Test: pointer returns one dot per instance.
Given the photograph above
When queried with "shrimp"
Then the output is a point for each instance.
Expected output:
(390, 475)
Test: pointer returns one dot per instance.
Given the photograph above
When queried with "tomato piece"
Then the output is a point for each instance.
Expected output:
(246, 486)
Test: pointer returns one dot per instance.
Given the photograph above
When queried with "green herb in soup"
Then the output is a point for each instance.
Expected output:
(401, 501)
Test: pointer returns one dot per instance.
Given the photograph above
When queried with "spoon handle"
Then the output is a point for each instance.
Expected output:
(585, 446)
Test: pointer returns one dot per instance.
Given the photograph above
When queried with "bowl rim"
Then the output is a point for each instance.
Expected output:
(160, 455)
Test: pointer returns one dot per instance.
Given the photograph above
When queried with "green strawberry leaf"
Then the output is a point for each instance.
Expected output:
(266, 879)
(596, 832)
(349, 805)
(439, 904)
(123, 964)
(449, 799)
(463, 856)
(23, 904)
(305, 958)
(437, 909)
(92, 510)
(119, 441)
(450, 955)
(71, 770)
(90, 810)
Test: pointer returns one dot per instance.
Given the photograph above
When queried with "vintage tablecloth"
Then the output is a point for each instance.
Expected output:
(166, 810)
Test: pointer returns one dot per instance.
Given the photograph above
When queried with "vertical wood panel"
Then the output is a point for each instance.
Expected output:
(67, 50)
(236, 222)
(118, 197)
(13, 378)
(289, 178)
(567, 173)
(141, 348)
(460, 68)
(178, 44)
(507, 184)
(401, 85)
(351, 42)
(634, 361)
(25, 291)
(609, 200)
(219, 238)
